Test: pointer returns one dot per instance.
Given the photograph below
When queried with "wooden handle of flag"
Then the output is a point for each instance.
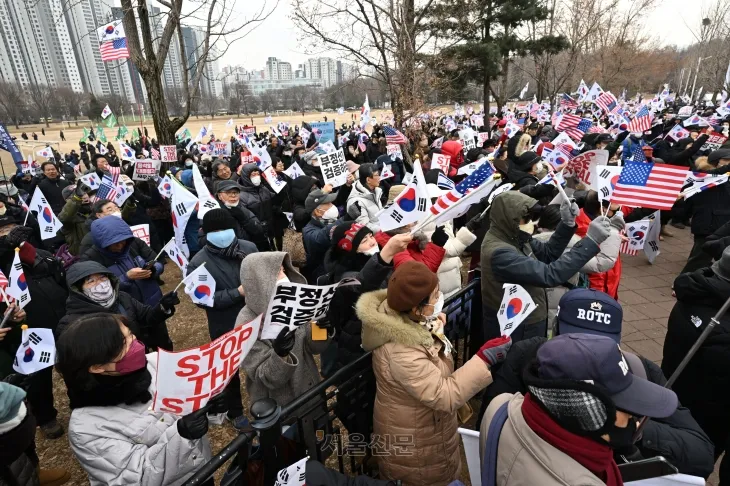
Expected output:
(190, 275)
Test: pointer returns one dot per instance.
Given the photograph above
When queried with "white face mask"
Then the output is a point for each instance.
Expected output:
(331, 214)
(528, 228)
(372, 251)
(437, 307)
(256, 180)
(282, 280)
(117, 214)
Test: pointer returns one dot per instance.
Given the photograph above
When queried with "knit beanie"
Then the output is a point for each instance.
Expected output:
(217, 220)
(722, 266)
(347, 237)
(411, 283)
(11, 397)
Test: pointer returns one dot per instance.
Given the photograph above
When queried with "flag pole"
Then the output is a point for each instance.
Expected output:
(190, 275)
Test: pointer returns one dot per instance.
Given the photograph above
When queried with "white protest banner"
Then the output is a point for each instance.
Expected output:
(651, 247)
(394, 152)
(37, 351)
(607, 177)
(294, 305)
(206, 202)
(168, 153)
(49, 223)
(294, 475)
(141, 231)
(584, 165)
(468, 144)
(270, 175)
(92, 180)
(186, 380)
(516, 306)
(334, 168)
(685, 110)
(145, 169)
(441, 161)
(483, 137)
(222, 148)
(294, 171)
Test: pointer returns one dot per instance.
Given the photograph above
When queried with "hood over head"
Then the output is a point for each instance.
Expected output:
(259, 272)
(507, 210)
(301, 186)
(110, 230)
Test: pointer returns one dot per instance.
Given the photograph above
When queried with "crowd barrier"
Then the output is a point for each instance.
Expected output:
(315, 421)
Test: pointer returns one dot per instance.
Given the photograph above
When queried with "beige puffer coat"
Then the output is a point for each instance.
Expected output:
(418, 395)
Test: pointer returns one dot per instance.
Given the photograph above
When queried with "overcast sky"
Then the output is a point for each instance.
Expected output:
(277, 37)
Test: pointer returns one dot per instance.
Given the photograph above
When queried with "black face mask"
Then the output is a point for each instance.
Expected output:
(619, 437)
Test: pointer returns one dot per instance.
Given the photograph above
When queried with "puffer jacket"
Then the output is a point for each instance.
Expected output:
(525, 458)
(18, 460)
(301, 187)
(74, 223)
(418, 393)
(87, 241)
(449, 272)
(136, 254)
(258, 199)
(131, 445)
(268, 375)
(606, 281)
(368, 205)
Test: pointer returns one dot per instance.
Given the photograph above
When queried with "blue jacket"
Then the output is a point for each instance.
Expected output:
(136, 253)
(316, 240)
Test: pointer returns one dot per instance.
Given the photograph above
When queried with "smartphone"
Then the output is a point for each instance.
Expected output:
(646, 469)
(318, 334)
(149, 265)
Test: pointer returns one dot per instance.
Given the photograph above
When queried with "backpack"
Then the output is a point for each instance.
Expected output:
(489, 463)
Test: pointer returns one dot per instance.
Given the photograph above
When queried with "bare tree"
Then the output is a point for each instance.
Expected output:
(12, 103)
(44, 100)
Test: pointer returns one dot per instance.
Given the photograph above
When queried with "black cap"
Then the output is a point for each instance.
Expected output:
(591, 312)
(717, 155)
(227, 185)
(316, 198)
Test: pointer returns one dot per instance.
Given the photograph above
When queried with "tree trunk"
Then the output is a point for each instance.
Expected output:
(158, 108)
(485, 89)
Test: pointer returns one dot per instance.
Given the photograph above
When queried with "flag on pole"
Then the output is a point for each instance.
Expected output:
(607, 177)
(411, 205)
(582, 91)
(574, 126)
(176, 255)
(698, 182)
(607, 102)
(47, 220)
(567, 102)
(37, 351)
(393, 136)
(100, 134)
(365, 112)
(294, 475)
(111, 122)
(113, 50)
(444, 182)
(651, 246)
(475, 186)
(183, 204)
(200, 286)
(111, 31)
(3, 287)
(165, 187)
(155, 153)
(641, 121)
(18, 286)
(524, 90)
(516, 306)
(696, 120)
(206, 201)
(122, 132)
(649, 185)
(593, 93)
(678, 133)
(126, 152)
(636, 233)
(46, 152)
(106, 112)
(107, 189)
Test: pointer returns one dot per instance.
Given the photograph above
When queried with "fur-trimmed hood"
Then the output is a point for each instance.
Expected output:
(382, 325)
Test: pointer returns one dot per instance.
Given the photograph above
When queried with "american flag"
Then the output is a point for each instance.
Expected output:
(113, 50)
(3, 285)
(641, 121)
(394, 136)
(574, 126)
(155, 153)
(607, 102)
(115, 171)
(597, 129)
(637, 154)
(648, 185)
(107, 189)
(567, 102)
(474, 180)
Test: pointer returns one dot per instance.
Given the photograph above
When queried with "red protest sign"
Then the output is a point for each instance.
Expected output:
(441, 161)
(186, 380)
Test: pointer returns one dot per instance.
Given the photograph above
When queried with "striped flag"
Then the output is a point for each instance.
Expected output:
(4, 285)
(476, 179)
(115, 171)
(155, 153)
(394, 136)
(567, 102)
(444, 182)
(107, 189)
(698, 182)
(574, 126)
(648, 185)
(641, 121)
(113, 50)
(607, 101)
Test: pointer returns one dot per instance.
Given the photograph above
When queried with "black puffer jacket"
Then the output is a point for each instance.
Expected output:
(704, 385)
(248, 227)
(527, 184)
(147, 323)
(709, 210)
(678, 437)
(301, 187)
(258, 199)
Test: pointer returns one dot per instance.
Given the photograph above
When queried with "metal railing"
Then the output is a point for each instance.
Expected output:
(345, 400)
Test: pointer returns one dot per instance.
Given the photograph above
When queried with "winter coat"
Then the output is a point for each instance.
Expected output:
(535, 265)
(704, 385)
(316, 240)
(709, 210)
(527, 184)
(74, 224)
(454, 150)
(525, 458)
(606, 281)
(18, 459)
(603, 262)
(47, 286)
(301, 187)
(449, 272)
(418, 393)
(431, 256)
(132, 445)
(368, 205)
(148, 323)
(53, 191)
(268, 375)
(88, 241)
(227, 301)
(680, 154)
(258, 199)
(136, 254)
(248, 227)
(678, 437)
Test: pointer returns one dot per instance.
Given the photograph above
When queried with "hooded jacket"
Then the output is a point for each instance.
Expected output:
(227, 301)
(449, 271)
(363, 205)
(704, 385)
(74, 223)
(508, 256)
(605, 280)
(268, 375)
(87, 241)
(455, 150)
(130, 444)
(147, 323)
(258, 199)
(136, 254)
(418, 393)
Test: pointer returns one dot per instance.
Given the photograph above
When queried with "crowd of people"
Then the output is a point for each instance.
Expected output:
(560, 400)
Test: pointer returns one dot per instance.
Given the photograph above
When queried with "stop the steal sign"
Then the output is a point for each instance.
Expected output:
(186, 380)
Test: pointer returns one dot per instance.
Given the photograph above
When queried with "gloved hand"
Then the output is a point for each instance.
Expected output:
(617, 221)
(712, 247)
(599, 229)
(568, 212)
(284, 342)
(81, 189)
(439, 237)
(473, 224)
(495, 350)
(327, 324)
(169, 300)
(18, 235)
(194, 425)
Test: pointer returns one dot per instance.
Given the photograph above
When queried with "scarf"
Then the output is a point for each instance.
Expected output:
(108, 391)
(595, 457)
(231, 251)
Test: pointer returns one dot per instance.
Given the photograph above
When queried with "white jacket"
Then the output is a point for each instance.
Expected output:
(369, 205)
(449, 272)
(131, 445)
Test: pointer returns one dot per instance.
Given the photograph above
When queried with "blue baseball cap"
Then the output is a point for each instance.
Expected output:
(590, 312)
(598, 360)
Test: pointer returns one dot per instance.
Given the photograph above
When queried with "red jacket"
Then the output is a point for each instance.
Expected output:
(606, 282)
(431, 256)
(456, 151)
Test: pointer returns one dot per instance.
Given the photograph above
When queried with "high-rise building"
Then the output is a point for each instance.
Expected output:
(301, 71)
(35, 48)
(324, 68)
(345, 72)
(277, 69)
(194, 44)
